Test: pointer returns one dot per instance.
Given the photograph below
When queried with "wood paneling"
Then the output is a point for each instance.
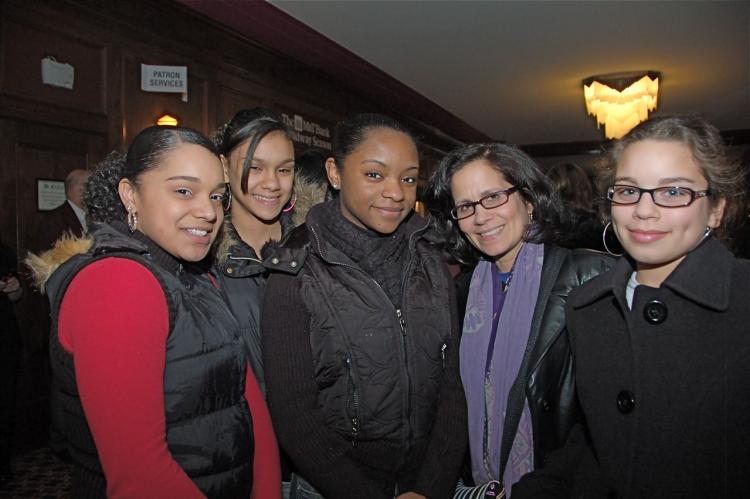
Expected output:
(23, 48)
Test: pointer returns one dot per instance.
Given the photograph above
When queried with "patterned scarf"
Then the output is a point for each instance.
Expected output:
(487, 391)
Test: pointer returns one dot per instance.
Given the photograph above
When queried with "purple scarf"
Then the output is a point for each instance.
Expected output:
(487, 393)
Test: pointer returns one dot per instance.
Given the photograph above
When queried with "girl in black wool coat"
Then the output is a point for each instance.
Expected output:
(660, 342)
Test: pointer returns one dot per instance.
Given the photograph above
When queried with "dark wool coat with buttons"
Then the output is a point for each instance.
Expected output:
(664, 387)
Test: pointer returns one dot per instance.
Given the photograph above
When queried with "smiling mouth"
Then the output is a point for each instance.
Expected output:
(491, 232)
(390, 212)
(645, 236)
(266, 200)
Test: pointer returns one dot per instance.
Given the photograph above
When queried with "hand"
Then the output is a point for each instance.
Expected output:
(11, 287)
(410, 495)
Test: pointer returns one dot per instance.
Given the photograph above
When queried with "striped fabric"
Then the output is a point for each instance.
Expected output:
(486, 490)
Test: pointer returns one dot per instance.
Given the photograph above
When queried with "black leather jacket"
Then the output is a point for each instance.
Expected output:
(546, 377)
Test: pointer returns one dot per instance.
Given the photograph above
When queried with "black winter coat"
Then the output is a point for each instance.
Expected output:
(242, 281)
(664, 387)
(546, 377)
(364, 397)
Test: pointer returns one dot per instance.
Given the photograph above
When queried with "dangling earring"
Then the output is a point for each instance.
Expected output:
(291, 204)
(227, 201)
(132, 219)
(707, 232)
(531, 217)
(604, 240)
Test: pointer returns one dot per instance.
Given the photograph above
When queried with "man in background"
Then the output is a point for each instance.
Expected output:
(69, 216)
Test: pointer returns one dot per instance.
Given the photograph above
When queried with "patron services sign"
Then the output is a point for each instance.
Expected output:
(164, 79)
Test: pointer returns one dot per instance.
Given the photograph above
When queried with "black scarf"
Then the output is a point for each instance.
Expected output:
(380, 256)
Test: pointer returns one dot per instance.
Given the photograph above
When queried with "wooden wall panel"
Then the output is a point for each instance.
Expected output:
(141, 109)
(23, 48)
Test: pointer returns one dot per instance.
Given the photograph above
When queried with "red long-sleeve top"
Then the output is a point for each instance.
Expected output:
(114, 321)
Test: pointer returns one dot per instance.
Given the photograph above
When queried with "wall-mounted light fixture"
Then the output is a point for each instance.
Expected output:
(621, 100)
(167, 120)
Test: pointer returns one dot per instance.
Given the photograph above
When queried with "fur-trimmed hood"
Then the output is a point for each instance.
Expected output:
(44, 264)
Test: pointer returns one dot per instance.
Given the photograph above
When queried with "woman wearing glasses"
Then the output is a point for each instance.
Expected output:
(494, 209)
(661, 343)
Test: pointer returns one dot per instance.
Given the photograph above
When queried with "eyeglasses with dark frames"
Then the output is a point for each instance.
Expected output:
(491, 200)
(668, 197)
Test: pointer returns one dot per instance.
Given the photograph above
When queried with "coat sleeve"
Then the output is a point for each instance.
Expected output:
(446, 450)
(320, 455)
(114, 321)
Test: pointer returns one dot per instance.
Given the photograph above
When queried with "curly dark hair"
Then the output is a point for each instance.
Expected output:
(145, 152)
(723, 172)
(518, 169)
(101, 197)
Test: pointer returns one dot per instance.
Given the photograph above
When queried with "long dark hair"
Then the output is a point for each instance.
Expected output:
(250, 124)
(518, 169)
(145, 152)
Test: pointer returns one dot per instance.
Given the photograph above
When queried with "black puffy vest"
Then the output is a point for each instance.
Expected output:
(378, 368)
(209, 432)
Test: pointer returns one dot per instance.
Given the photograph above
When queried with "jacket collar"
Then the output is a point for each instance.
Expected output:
(704, 277)
(305, 239)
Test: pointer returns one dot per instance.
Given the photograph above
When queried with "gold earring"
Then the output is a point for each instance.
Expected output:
(132, 219)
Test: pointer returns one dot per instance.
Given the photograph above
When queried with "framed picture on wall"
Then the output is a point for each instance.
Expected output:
(49, 194)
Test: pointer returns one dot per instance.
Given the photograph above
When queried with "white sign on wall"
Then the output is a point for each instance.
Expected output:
(49, 194)
(171, 79)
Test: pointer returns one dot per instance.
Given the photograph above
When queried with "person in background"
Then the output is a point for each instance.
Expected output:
(661, 343)
(583, 228)
(152, 374)
(359, 332)
(312, 185)
(10, 346)
(69, 217)
(494, 210)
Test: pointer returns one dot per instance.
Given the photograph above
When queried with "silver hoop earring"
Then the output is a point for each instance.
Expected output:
(132, 219)
(604, 240)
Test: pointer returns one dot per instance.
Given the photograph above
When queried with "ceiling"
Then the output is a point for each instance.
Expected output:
(513, 70)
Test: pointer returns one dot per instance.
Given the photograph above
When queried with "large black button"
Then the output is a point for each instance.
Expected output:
(625, 402)
(655, 312)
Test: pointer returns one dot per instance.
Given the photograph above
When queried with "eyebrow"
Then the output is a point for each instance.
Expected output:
(184, 177)
(263, 161)
(663, 181)
(482, 194)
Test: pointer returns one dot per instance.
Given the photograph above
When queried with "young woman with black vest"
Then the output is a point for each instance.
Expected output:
(360, 335)
(495, 211)
(152, 373)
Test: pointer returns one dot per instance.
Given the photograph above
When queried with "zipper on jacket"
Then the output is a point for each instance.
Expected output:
(399, 315)
(354, 400)
(442, 355)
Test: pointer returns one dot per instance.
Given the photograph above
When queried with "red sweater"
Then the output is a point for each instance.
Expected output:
(114, 321)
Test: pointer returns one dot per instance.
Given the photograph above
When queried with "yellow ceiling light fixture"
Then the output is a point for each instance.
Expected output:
(167, 120)
(621, 100)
